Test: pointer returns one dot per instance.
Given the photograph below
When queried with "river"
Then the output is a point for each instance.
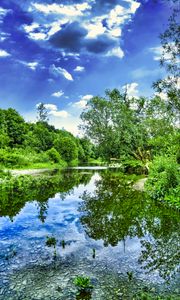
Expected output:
(124, 242)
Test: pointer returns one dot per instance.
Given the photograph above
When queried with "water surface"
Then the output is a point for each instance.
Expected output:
(126, 243)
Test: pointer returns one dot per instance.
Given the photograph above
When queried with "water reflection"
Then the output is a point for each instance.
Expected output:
(103, 229)
(19, 191)
(114, 212)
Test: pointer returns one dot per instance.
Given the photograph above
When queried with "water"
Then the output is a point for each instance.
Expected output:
(126, 243)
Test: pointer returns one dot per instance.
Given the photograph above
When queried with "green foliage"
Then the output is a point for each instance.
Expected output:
(113, 124)
(67, 148)
(42, 113)
(82, 282)
(164, 180)
(53, 155)
(51, 241)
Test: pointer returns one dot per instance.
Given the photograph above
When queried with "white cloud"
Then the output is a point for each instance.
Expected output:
(115, 15)
(51, 107)
(59, 113)
(131, 89)
(117, 51)
(95, 27)
(3, 13)
(53, 110)
(79, 69)
(134, 6)
(58, 94)
(60, 71)
(38, 35)
(60, 9)
(83, 102)
(4, 53)
(162, 95)
(159, 51)
(32, 65)
(30, 28)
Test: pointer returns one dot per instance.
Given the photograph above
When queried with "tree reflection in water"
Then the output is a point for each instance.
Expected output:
(114, 212)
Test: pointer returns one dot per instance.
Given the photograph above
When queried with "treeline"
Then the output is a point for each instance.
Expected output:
(24, 144)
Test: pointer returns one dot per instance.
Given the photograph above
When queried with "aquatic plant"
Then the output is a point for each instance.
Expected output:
(83, 283)
(63, 244)
(130, 275)
(51, 241)
(94, 253)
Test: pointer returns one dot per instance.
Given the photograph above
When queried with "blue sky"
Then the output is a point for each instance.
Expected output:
(62, 53)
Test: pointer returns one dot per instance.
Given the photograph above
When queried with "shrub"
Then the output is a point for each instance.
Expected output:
(53, 155)
(164, 180)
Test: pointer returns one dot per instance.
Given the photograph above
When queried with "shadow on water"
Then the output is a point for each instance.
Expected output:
(101, 227)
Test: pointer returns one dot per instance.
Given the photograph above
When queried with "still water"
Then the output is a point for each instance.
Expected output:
(127, 244)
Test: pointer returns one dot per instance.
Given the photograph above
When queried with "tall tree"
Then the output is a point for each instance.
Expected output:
(42, 113)
(170, 59)
(113, 124)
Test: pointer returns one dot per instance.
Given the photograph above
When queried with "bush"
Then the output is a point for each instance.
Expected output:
(164, 180)
(53, 155)
(10, 159)
(67, 148)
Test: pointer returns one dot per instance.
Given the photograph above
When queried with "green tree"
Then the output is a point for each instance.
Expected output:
(170, 41)
(15, 127)
(66, 147)
(42, 113)
(39, 137)
(114, 124)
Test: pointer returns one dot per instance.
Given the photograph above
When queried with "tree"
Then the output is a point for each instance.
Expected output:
(42, 113)
(15, 127)
(66, 147)
(170, 41)
(114, 124)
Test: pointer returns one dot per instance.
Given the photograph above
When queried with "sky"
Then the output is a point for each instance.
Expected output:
(62, 53)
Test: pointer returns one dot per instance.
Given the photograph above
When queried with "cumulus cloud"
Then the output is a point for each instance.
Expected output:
(58, 94)
(78, 29)
(70, 38)
(117, 51)
(59, 113)
(53, 110)
(79, 69)
(58, 71)
(94, 27)
(83, 102)
(159, 51)
(132, 89)
(4, 53)
(61, 9)
(51, 107)
(100, 45)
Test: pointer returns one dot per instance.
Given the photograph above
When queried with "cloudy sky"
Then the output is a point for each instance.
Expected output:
(62, 52)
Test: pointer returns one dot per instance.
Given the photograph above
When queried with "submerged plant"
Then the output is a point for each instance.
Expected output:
(83, 283)
(51, 241)
(94, 253)
(130, 275)
(63, 244)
